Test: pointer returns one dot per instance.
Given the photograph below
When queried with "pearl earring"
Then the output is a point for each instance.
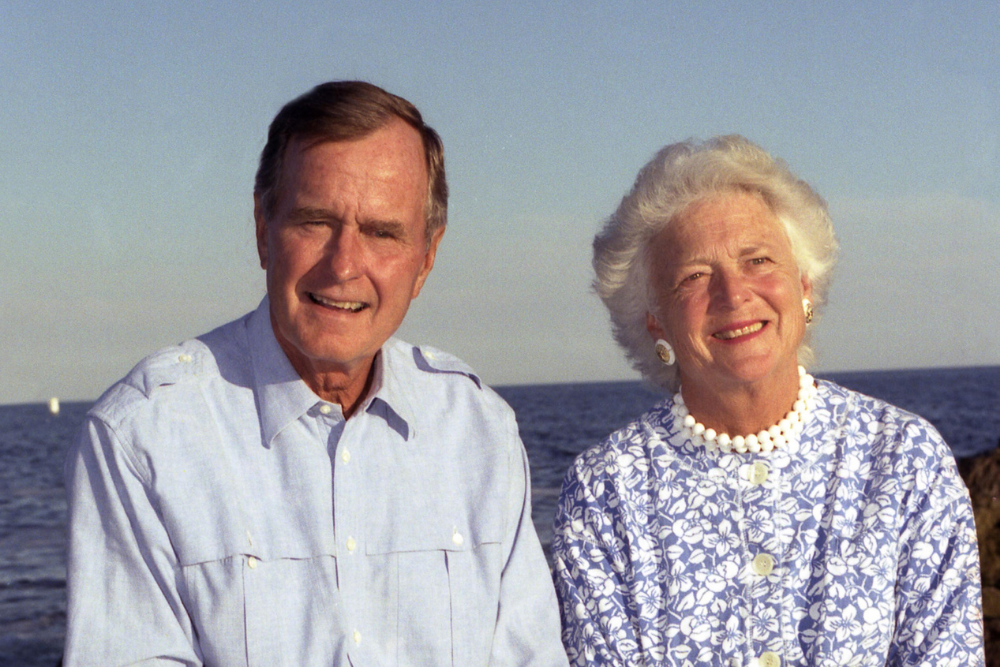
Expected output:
(665, 352)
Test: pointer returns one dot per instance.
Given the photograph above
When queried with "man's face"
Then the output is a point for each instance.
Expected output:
(346, 249)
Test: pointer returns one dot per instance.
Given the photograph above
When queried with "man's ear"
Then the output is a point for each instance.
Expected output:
(261, 225)
(428, 264)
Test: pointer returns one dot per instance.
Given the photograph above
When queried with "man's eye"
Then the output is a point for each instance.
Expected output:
(386, 233)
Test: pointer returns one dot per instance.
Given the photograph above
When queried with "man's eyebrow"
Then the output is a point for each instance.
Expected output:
(310, 213)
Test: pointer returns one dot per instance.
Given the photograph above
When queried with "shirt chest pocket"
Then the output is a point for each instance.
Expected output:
(266, 612)
(447, 586)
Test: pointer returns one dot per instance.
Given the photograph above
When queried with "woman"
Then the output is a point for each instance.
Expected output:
(756, 516)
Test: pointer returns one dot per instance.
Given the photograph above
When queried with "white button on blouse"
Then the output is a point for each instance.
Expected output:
(763, 564)
(770, 659)
(758, 473)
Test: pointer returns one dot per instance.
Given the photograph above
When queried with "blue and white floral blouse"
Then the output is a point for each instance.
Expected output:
(854, 545)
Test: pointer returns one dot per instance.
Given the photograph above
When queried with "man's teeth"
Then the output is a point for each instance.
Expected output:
(736, 333)
(353, 306)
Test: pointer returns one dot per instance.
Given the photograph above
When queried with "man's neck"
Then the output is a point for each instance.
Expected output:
(347, 387)
(348, 393)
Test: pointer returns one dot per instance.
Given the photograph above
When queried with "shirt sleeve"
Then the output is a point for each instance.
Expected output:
(600, 624)
(939, 589)
(527, 627)
(123, 580)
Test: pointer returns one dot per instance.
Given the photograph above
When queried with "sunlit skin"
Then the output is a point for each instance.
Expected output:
(725, 266)
(345, 252)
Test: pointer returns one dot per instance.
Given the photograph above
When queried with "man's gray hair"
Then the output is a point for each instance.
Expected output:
(346, 111)
(682, 174)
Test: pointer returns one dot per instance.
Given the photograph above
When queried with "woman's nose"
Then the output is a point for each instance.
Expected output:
(730, 289)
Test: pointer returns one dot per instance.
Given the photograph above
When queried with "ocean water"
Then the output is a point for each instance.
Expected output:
(557, 422)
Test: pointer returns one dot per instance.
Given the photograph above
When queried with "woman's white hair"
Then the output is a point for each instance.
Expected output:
(678, 176)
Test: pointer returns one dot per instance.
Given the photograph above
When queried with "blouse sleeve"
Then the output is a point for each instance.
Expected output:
(938, 589)
(594, 578)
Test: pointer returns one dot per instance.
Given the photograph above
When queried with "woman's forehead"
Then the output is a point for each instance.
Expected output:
(730, 223)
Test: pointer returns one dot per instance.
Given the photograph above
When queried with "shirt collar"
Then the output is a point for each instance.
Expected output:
(283, 397)
(390, 391)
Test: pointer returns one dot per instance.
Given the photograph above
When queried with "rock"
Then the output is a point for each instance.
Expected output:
(982, 476)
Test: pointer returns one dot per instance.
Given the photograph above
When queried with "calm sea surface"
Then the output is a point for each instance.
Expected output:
(557, 422)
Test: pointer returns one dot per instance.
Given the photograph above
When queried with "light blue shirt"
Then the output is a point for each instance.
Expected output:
(854, 546)
(222, 514)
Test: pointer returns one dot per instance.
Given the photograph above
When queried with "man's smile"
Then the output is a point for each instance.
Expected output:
(351, 306)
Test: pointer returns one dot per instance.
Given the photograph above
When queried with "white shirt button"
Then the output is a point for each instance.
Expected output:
(758, 473)
(252, 563)
(457, 538)
(763, 564)
(184, 358)
(351, 544)
(769, 659)
(325, 409)
(357, 637)
(345, 456)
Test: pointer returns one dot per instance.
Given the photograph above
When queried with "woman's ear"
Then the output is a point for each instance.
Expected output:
(654, 328)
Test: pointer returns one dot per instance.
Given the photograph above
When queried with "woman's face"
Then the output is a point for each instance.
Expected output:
(729, 293)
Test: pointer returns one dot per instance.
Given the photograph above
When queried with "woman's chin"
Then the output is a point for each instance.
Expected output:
(751, 370)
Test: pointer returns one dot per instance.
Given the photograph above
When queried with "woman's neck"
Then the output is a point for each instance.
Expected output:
(742, 408)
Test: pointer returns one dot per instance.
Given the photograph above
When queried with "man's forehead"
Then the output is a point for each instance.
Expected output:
(393, 152)
(395, 136)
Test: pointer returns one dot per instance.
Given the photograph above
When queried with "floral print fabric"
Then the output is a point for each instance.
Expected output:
(852, 546)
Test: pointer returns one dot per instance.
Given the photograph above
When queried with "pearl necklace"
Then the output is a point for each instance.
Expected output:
(765, 441)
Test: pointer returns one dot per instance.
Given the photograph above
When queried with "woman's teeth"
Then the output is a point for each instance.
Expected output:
(736, 333)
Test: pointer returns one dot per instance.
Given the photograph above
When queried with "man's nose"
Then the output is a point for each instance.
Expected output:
(345, 253)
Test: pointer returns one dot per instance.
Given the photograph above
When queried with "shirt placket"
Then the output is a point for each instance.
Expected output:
(764, 567)
(348, 508)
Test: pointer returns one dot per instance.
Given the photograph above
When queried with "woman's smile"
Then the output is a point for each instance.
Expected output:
(738, 332)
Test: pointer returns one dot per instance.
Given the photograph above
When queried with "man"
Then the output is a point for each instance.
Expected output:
(297, 487)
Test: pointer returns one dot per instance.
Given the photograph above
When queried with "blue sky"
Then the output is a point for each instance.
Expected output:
(131, 133)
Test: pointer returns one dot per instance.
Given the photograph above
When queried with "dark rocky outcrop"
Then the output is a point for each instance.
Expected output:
(982, 476)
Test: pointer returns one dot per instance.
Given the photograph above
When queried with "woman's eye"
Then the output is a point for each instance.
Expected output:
(693, 277)
(757, 261)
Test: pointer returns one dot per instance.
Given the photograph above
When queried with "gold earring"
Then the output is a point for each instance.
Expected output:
(665, 352)
(808, 308)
